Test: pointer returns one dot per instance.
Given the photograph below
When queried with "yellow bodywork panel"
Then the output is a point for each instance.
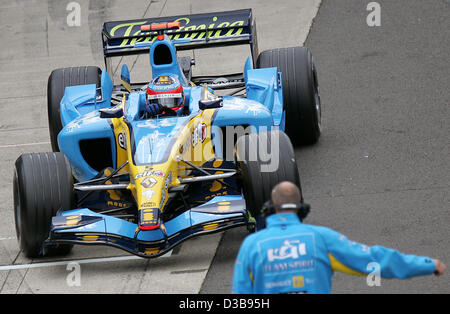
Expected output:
(149, 183)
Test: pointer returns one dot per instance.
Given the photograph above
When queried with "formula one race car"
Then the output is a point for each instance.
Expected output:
(145, 166)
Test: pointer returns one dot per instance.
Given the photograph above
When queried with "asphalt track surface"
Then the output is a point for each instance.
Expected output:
(380, 172)
(36, 39)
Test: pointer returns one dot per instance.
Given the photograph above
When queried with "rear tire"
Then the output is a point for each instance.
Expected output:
(43, 184)
(300, 91)
(257, 183)
(57, 82)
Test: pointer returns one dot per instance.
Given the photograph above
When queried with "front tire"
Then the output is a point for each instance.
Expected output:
(257, 176)
(42, 185)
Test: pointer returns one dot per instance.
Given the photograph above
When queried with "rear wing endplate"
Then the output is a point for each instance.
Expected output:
(198, 31)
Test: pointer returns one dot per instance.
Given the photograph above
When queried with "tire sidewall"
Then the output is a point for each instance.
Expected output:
(300, 91)
(257, 185)
(34, 206)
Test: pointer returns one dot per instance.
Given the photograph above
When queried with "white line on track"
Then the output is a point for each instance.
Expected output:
(81, 261)
(7, 238)
(25, 144)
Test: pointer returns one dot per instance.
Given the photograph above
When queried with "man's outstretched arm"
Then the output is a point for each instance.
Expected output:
(354, 258)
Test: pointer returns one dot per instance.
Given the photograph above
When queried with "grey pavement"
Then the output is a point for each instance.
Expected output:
(380, 173)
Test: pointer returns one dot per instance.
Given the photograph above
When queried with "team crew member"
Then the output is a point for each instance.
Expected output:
(291, 257)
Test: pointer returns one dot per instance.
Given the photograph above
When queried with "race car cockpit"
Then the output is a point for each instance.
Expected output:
(164, 96)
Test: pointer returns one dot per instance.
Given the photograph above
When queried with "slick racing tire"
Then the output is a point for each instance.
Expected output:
(300, 91)
(57, 82)
(42, 185)
(263, 160)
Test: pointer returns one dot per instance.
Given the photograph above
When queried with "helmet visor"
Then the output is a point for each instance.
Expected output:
(166, 100)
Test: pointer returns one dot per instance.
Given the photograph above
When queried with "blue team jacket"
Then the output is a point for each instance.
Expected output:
(291, 257)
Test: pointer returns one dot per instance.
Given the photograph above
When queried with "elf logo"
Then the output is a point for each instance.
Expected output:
(122, 141)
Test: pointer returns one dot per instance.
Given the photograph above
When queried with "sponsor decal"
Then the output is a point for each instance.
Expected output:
(147, 173)
(72, 220)
(288, 266)
(151, 251)
(148, 194)
(216, 194)
(149, 216)
(210, 227)
(168, 180)
(163, 198)
(164, 80)
(187, 145)
(116, 204)
(278, 284)
(291, 254)
(298, 281)
(121, 139)
(199, 134)
(223, 206)
(90, 238)
(161, 96)
(148, 204)
(195, 31)
(289, 249)
(148, 182)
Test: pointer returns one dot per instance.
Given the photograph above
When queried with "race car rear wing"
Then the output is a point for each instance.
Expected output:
(196, 31)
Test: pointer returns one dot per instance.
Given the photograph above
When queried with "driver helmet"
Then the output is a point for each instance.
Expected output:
(167, 92)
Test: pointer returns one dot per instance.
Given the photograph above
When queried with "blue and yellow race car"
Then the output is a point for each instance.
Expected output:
(145, 166)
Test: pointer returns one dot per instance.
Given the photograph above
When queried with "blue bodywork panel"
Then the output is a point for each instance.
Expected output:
(261, 108)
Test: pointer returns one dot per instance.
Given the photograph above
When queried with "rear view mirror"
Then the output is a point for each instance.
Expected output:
(209, 100)
(125, 78)
(210, 104)
(108, 113)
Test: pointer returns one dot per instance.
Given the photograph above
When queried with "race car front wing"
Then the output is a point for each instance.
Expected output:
(83, 226)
